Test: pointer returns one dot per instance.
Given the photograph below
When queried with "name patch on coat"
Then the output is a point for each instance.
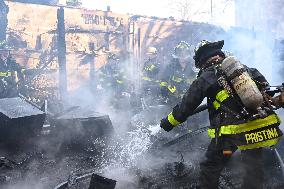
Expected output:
(260, 136)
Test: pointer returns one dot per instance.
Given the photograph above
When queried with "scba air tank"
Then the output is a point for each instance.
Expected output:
(242, 83)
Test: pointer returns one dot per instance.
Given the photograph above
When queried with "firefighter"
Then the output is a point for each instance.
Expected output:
(233, 125)
(111, 77)
(151, 69)
(178, 75)
(10, 73)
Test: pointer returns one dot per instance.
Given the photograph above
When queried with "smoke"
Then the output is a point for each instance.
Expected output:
(254, 49)
(257, 49)
(136, 146)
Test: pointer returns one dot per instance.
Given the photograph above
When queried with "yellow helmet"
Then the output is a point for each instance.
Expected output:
(152, 51)
(182, 50)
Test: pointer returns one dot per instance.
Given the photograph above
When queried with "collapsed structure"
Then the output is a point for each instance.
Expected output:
(66, 50)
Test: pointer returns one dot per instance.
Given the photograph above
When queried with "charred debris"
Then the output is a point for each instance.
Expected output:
(100, 135)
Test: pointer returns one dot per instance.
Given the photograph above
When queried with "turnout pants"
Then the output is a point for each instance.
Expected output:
(215, 161)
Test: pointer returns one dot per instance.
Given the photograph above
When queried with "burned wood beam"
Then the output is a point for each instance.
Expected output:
(61, 46)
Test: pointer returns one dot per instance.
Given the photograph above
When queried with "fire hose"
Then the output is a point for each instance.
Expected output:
(191, 133)
(186, 136)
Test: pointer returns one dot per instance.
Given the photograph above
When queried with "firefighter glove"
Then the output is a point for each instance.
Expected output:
(166, 125)
(278, 101)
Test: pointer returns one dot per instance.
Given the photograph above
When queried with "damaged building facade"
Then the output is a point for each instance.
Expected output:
(67, 54)
(92, 33)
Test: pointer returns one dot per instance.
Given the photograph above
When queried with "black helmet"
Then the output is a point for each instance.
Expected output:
(182, 50)
(206, 49)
